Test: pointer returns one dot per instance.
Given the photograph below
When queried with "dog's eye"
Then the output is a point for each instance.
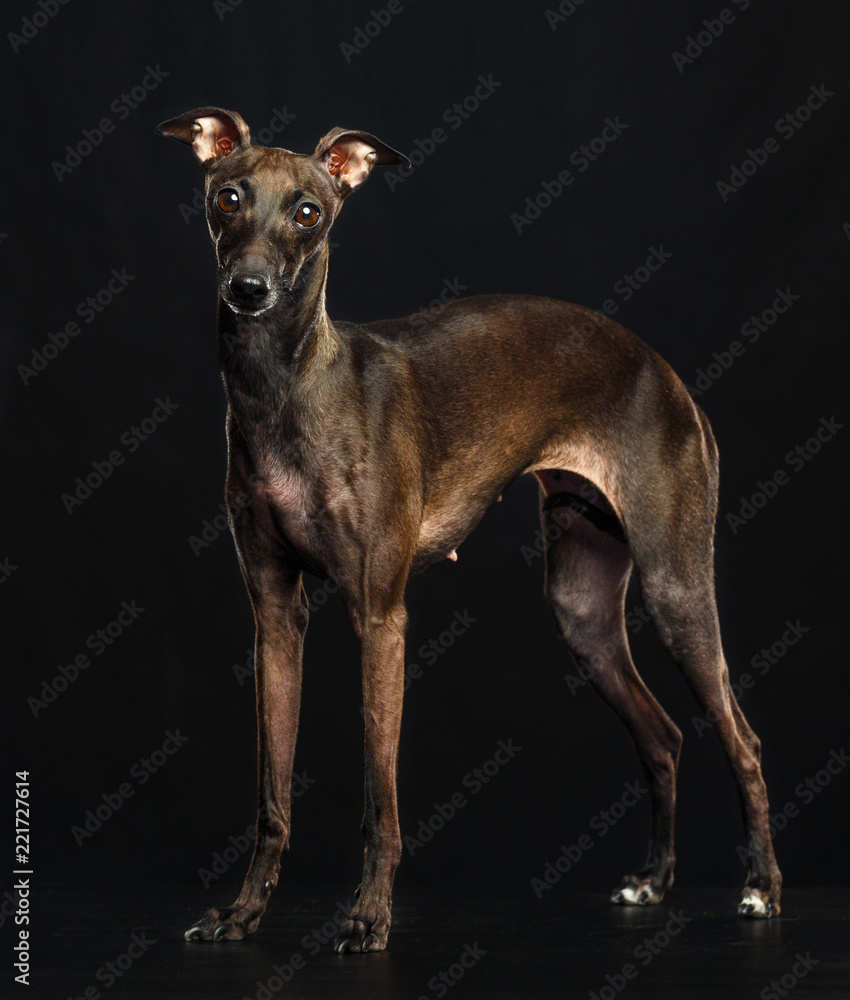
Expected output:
(228, 200)
(308, 216)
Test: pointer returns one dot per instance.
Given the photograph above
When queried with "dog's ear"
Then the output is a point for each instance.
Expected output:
(348, 157)
(211, 132)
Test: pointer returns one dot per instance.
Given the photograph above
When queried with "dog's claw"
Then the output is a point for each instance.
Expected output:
(357, 892)
(342, 947)
(367, 944)
(268, 885)
(220, 931)
(747, 909)
(769, 910)
(190, 934)
(643, 897)
(617, 898)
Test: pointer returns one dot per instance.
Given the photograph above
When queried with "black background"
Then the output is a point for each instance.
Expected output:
(503, 679)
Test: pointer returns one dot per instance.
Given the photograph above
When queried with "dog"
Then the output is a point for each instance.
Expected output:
(367, 453)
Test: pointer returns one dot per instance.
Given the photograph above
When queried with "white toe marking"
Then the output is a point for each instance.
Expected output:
(757, 903)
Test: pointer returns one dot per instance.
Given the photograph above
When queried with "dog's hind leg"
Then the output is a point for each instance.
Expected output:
(670, 523)
(685, 616)
(587, 572)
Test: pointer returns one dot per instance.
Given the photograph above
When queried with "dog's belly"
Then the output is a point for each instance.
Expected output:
(446, 526)
(439, 539)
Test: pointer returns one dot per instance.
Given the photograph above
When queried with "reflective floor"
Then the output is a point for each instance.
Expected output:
(128, 943)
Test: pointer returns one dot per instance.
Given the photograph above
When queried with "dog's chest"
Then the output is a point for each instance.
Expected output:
(305, 508)
(288, 496)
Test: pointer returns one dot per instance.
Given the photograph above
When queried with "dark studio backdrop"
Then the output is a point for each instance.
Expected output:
(102, 230)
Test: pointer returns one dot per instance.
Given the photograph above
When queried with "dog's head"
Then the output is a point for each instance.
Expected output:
(269, 210)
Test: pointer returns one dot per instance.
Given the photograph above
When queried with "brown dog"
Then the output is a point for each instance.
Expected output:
(370, 452)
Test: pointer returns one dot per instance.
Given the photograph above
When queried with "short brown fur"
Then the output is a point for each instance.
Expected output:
(367, 453)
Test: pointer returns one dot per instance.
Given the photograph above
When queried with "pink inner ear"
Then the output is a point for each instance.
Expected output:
(336, 160)
(350, 159)
(214, 136)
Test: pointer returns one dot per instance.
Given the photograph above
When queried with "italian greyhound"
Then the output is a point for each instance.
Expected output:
(369, 452)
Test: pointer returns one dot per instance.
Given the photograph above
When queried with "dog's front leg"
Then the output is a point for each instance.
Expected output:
(382, 641)
(280, 612)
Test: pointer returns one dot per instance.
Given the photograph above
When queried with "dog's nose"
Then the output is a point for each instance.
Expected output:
(250, 288)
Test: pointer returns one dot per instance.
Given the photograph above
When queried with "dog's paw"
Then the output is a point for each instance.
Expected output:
(637, 891)
(363, 931)
(226, 924)
(757, 904)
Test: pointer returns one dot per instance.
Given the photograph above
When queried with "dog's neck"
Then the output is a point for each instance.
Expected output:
(282, 361)
(285, 345)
